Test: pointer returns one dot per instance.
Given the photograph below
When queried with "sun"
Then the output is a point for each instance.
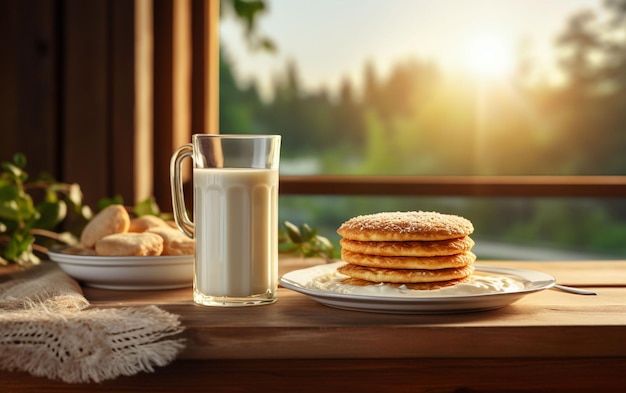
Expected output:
(489, 55)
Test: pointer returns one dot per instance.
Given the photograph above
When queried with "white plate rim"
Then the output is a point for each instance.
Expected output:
(535, 281)
(96, 260)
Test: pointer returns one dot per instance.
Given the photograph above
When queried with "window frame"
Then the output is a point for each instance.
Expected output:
(468, 186)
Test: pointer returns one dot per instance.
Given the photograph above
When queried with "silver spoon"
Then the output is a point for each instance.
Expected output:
(577, 291)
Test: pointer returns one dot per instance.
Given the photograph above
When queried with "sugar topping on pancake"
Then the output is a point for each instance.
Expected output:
(405, 226)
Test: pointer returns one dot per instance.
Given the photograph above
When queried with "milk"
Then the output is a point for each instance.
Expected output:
(236, 231)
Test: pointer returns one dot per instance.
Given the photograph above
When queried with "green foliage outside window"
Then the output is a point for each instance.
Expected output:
(420, 120)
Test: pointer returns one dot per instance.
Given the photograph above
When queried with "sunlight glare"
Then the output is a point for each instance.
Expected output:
(489, 55)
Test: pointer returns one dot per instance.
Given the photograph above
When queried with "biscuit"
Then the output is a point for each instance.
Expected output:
(404, 276)
(130, 244)
(405, 226)
(420, 286)
(143, 223)
(78, 250)
(172, 224)
(408, 248)
(174, 241)
(112, 219)
(391, 262)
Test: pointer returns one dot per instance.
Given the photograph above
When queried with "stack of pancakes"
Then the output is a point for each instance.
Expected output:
(421, 250)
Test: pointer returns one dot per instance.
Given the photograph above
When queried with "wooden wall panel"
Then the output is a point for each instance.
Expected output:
(86, 138)
(28, 97)
(163, 97)
(8, 78)
(122, 99)
(198, 65)
(143, 172)
(205, 67)
(99, 92)
(173, 81)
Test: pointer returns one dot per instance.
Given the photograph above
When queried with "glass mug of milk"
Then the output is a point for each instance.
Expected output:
(235, 216)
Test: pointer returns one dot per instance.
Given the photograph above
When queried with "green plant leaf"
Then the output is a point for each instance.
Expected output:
(306, 232)
(147, 207)
(86, 212)
(325, 242)
(293, 232)
(106, 202)
(9, 192)
(13, 170)
(51, 195)
(28, 258)
(18, 245)
(305, 241)
(26, 209)
(50, 214)
(19, 159)
(75, 194)
(68, 238)
(10, 210)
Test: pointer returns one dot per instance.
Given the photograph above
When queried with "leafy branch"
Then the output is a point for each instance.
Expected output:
(26, 218)
(248, 13)
(305, 241)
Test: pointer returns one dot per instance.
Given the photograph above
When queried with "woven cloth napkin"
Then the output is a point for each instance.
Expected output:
(47, 328)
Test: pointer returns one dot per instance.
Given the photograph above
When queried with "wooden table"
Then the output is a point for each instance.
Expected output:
(548, 341)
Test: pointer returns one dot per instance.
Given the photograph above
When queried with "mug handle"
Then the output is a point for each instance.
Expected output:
(178, 199)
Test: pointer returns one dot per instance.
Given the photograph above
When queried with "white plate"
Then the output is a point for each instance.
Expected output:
(128, 273)
(533, 281)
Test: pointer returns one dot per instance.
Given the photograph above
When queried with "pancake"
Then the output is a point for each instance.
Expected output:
(376, 274)
(409, 248)
(422, 286)
(405, 226)
(391, 262)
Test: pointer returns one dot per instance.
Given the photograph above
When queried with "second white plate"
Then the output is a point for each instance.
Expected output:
(128, 273)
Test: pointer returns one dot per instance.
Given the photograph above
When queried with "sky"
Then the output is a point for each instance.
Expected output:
(330, 40)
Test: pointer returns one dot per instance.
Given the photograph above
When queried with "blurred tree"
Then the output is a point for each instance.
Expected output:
(579, 43)
(348, 116)
(593, 103)
(614, 72)
(615, 47)
(284, 115)
(240, 106)
(371, 86)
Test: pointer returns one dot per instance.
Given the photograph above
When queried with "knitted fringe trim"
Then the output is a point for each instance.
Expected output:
(92, 345)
